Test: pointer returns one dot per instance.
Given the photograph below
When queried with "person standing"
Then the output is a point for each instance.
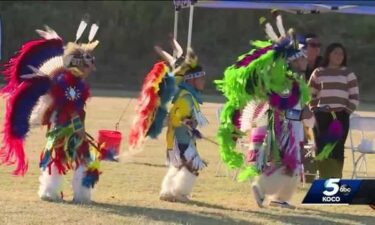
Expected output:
(312, 47)
(335, 95)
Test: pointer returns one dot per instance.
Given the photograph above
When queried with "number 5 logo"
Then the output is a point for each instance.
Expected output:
(331, 184)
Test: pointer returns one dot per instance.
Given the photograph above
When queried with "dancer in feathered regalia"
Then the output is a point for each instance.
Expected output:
(264, 96)
(177, 80)
(46, 86)
(158, 89)
(184, 118)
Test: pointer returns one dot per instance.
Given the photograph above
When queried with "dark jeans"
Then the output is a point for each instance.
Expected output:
(332, 167)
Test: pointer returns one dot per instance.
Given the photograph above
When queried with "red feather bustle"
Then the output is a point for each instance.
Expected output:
(12, 68)
(21, 96)
(147, 104)
(12, 149)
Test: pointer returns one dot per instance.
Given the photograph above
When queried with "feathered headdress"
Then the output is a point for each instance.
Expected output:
(79, 55)
(179, 63)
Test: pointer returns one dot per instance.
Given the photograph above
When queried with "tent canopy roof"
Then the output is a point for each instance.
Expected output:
(309, 6)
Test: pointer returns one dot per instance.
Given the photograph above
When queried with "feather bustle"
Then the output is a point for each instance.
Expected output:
(148, 102)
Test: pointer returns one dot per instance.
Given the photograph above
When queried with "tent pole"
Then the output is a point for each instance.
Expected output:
(190, 25)
(175, 30)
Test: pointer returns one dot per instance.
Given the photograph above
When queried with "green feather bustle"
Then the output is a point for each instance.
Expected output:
(268, 73)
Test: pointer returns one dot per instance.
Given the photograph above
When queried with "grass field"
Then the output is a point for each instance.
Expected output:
(127, 192)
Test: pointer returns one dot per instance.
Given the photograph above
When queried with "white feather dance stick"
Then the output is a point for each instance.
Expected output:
(280, 26)
(93, 30)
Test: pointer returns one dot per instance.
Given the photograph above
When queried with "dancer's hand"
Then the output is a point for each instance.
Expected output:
(196, 133)
(190, 123)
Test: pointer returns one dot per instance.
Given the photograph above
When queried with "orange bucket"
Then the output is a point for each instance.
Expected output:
(110, 142)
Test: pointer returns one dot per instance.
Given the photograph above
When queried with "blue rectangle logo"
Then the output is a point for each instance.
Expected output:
(341, 191)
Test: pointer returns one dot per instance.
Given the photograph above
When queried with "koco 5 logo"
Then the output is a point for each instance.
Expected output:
(332, 187)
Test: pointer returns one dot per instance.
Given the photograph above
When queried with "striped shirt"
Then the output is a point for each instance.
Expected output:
(336, 88)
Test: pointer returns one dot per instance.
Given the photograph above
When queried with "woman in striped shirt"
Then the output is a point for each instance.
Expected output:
(335, 93)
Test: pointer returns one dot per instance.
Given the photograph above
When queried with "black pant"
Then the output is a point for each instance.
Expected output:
(333, 166)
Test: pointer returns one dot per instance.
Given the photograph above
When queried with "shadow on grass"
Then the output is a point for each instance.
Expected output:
(214, 206)
(169, 215)
(354, 218)
(297, 216)
(313, 216)
(300, 216)
(149, 164)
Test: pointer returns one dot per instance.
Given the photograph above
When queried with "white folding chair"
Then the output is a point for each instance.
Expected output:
(365, 126)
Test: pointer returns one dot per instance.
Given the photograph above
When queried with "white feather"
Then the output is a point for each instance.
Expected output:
(253, 113)
(36, 73)
(247, 116)
(36, 70)
(280, 26)
(40, 109)
(177, 48)
(93, 30)
(48, 33)
(271, 33)
(52, 65)
(81, 28)
(165, 55)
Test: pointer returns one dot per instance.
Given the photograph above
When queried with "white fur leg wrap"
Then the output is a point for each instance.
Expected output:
(82, 194)
(50, 184)
(168, 181)
(278, 185)
(183, 182)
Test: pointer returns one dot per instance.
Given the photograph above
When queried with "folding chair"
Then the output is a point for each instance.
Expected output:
(365, 126)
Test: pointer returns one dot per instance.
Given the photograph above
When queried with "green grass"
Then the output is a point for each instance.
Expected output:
(127, 192)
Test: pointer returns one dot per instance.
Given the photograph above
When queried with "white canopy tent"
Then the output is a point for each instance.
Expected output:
(296, 7)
